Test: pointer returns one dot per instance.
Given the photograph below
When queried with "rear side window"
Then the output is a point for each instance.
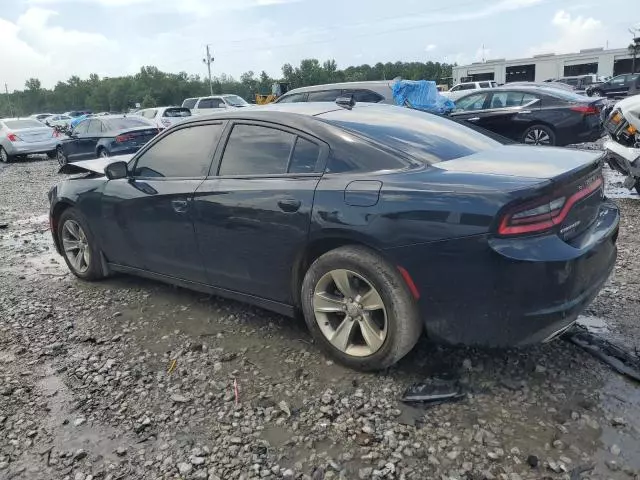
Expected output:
(18, 124)
(189, 103)
(366, 96)
(183, 153)
(257, 150)
(82, 127)
(305, 156)
(324, 96)
(485, 85)
(293, 98)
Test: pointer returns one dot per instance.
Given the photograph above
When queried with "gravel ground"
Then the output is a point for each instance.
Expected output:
(132, 379)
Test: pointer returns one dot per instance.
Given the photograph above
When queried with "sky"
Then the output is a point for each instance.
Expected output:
(54, 39)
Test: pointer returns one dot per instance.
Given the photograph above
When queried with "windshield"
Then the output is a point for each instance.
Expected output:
(177, 112)
(18, 124)
(124, 123)
(236, 101)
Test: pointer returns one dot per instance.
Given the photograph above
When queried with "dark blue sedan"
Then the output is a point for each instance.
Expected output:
(377, 222)
(105, 136)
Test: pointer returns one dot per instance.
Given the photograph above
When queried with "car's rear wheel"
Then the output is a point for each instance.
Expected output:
(539, 135)
(596, 92)
(78, 246)
(61, 156)
(4, 156)
(637, 187)
(359, 309)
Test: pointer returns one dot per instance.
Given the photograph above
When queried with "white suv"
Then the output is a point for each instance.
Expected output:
(463, 88)
(212, 104)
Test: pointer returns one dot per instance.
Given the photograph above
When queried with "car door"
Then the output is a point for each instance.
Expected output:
(72, 147)
(617, 86)
(472, 108)
(510, 113)
(88, 141)
(148, 217)
(253, 217)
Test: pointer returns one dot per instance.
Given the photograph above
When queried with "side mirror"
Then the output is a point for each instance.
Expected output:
(116, 170)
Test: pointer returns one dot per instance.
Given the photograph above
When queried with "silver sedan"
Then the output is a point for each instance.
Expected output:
(25, 136)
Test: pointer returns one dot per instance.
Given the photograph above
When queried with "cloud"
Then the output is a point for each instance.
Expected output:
(36, 48)
(430, 48)
(574, 34)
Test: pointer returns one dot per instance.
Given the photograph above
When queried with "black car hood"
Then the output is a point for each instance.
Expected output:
(94, 166)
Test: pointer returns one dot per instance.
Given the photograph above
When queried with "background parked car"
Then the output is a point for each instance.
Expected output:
(215, 103)
(533, 115)
(363, 92)
(618, 86)
(40, 116)
(26, 136)
(463, 88)
(77, 113)
(558, 85)
(105, 136)
(165, 117)
(58, 120)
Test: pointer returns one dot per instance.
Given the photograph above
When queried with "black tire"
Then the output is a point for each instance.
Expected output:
(403, 323)
(103, 153)
(94, 262)
(637, 187)
(596, 92)
(52, 155)
(4, 156)
(539, 135)
(61, 156)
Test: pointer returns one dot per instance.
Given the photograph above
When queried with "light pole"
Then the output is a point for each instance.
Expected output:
(209, 60)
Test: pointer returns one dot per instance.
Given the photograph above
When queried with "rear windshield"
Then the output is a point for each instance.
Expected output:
(424, 136)
(177, 112)
(18, 124)
(122, 123)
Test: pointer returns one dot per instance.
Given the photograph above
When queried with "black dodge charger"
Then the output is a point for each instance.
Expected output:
(375, 221)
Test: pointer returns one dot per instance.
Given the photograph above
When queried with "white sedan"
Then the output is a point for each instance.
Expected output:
(165, 117)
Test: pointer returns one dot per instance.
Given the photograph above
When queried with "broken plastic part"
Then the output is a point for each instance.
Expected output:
(433, 390)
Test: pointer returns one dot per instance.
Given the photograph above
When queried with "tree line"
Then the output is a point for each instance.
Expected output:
(151, 87)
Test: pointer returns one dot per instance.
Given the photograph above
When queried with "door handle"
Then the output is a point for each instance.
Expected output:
(179, 206)
(289, 205)
(473, 119)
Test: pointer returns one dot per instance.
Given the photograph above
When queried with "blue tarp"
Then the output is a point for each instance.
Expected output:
(421, 95)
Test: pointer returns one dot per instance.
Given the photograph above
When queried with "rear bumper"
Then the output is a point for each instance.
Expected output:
(26, 148)
(510, 292)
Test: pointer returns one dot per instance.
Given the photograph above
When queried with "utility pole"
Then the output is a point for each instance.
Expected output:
(6, 91)
(209, 61)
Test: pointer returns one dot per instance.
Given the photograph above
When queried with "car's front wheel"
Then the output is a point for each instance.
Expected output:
(359, 308)
(103, 153)
(61, 156)
(78, 246)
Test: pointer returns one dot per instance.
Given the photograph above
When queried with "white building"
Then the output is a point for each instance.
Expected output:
(547, 66)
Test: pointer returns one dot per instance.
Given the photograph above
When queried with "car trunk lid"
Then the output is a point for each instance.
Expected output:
(32, 135)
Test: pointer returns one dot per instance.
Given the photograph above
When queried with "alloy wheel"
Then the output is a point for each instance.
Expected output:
(537, 136)
(350, 313)
(75, 246)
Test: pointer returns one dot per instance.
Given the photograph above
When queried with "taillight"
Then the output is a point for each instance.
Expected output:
(124, 138)
(586, 109)
(543, 215)
(12, 137)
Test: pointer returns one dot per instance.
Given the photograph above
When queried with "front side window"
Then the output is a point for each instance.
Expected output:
(618, 80)
(236, 101)
(467, 86)
(256, 150)
(211, 103)
(184, 153)
(189, 103)
(472, 102)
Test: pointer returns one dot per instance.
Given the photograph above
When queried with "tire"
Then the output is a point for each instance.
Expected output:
(597, 93)
(392, 330)
(85, 260)
(103, 153)
(4, 156)
(61, 156)
(637, 187)
(52, 155)
(539, 135)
